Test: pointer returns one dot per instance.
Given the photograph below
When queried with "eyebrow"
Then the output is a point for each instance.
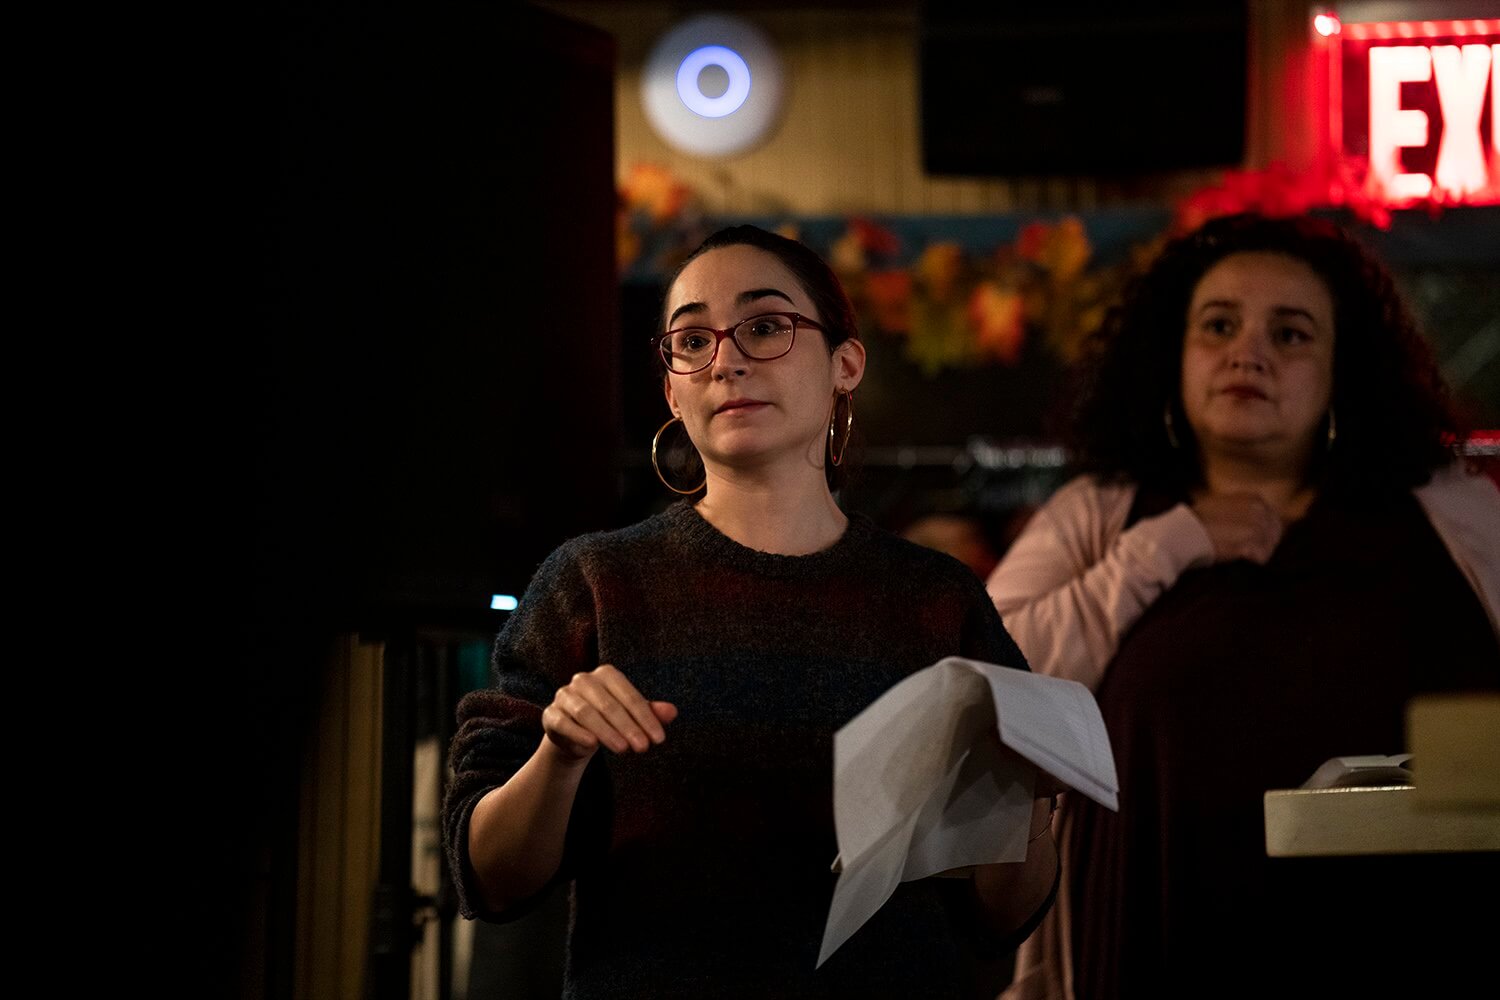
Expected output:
(744, 298)
(1279, 310)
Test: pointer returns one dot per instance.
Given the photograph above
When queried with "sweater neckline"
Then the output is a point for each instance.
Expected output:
(704, 539)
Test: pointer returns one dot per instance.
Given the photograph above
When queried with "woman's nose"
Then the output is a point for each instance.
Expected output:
(1250, 351)
(728, 361)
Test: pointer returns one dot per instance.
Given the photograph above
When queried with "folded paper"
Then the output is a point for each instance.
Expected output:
(938, 774)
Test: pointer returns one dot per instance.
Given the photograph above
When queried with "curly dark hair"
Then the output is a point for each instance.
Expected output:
(835, 311)
(1396, 423)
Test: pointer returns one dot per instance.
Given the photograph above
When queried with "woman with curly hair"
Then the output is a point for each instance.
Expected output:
(1271, 549)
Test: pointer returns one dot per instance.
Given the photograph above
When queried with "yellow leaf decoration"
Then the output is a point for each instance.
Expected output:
(1061, 249)
(939, 337)
(939, 269)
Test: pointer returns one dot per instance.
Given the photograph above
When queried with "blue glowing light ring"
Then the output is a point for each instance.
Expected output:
(692, 94)
(688, 120)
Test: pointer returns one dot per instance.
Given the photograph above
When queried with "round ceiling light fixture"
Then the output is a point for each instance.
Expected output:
(713, 87)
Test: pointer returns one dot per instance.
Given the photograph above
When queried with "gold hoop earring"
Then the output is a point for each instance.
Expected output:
(836, 456)
(655, 465)
(1166, 418)
(1333, 429)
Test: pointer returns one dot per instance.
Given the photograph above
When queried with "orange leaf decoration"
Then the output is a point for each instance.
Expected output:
(653, 188)
(847, 255)
(889, 295)
(998, 317)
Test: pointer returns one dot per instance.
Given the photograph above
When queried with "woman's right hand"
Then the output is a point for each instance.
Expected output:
(600, 707)
(1241, 525)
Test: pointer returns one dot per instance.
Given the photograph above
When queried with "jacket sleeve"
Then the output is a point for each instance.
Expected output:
(1074, 582)
(549, 637)
(1465, 511)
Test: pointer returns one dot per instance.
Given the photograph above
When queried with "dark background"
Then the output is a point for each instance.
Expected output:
(392, 392)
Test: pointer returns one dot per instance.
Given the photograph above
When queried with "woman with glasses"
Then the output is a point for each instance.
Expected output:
(661, 729)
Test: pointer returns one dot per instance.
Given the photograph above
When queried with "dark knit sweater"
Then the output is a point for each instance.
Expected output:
(701, 867)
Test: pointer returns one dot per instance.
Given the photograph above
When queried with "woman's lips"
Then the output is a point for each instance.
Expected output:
(741, 406)
(1243, 392)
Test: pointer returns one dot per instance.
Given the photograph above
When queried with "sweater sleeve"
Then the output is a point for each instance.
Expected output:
(1074, 582)
(984, 635)
(548, 638)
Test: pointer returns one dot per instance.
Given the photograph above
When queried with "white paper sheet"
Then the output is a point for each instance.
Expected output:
(922, 785)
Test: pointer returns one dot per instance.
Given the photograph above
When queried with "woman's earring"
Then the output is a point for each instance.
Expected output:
(1333, 429)
(655, 464)
(838, 444)
(1166, 418)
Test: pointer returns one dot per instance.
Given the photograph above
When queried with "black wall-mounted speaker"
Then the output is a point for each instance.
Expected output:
(1083, 88)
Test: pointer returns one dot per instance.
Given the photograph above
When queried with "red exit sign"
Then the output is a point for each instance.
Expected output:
(1419, 107)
